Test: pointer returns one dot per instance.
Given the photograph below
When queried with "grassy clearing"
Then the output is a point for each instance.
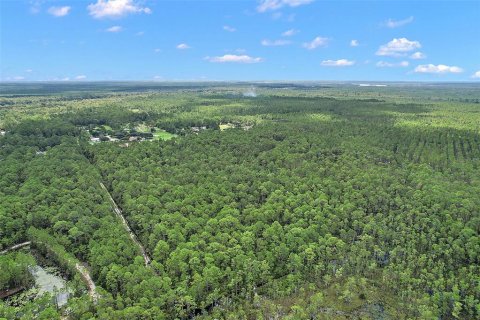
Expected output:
(163, 135)
(159, 134)
(143, 128)
(226, 126)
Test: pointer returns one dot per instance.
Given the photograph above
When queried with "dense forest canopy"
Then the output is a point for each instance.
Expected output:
(307, 201)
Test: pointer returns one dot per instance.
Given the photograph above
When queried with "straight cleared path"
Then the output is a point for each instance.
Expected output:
(119, 214)
(15, 247)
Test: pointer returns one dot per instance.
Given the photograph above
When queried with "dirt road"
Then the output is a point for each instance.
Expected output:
(119, 214)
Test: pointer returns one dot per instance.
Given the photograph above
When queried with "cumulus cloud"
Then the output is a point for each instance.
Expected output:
(315, 43)
(114, 29)
(354, 43)
(398, 47)
(235, 58)
(383, 64)
(476, 75)
(390, 23)
(277, 15)
(270, 5)
(275, 43)
(35, 6)
(18, 78)
(337, 63)
(229, 28)
(441, 68)
(183, 46)
(290, 33)
(81, 77)
(157, 50)
(29, 70)
(59, 11)
(418, 55)
(115, 8)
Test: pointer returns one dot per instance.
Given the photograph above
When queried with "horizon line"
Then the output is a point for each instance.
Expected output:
(228, 81)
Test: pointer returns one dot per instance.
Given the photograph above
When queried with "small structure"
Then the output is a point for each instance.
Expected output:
(10, 292)
(196, 130)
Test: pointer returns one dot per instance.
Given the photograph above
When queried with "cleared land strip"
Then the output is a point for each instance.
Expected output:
(119, 213)
(15, 247)
(92, 289)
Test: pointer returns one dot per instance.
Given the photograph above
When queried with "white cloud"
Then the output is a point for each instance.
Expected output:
(418, 55)
(476, 75)
(296, 3)
(337, 63)
(383, 64)
(157, 78)
(404, 64)
(157, 50)
(140, 33)
(234, 58)
(290, 33)
(59, 11)
(354, 43)
(114, 29)
(398, 47)
(229, 28)
(390, 23)
(270, 5)
(35, 6)
(81, 77)
(183, 46)
(115, 8)
(29, 70)
(18, 78)
(315, 43)
(441, 68)
(65, 79)
(267, 5)
(275, 43)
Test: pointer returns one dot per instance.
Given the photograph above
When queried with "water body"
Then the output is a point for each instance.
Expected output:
(49, 282)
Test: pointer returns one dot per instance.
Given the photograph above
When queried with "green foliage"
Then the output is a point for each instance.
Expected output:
(332, 197)
(14, 270)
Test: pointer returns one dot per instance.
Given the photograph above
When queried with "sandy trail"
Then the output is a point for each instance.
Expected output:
(15, 247)
(134, 238)
(92, 289)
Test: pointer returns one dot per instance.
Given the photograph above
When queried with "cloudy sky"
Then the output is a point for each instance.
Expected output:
(81, 40)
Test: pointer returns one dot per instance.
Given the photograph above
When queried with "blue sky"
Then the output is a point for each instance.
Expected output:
(82, 40)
